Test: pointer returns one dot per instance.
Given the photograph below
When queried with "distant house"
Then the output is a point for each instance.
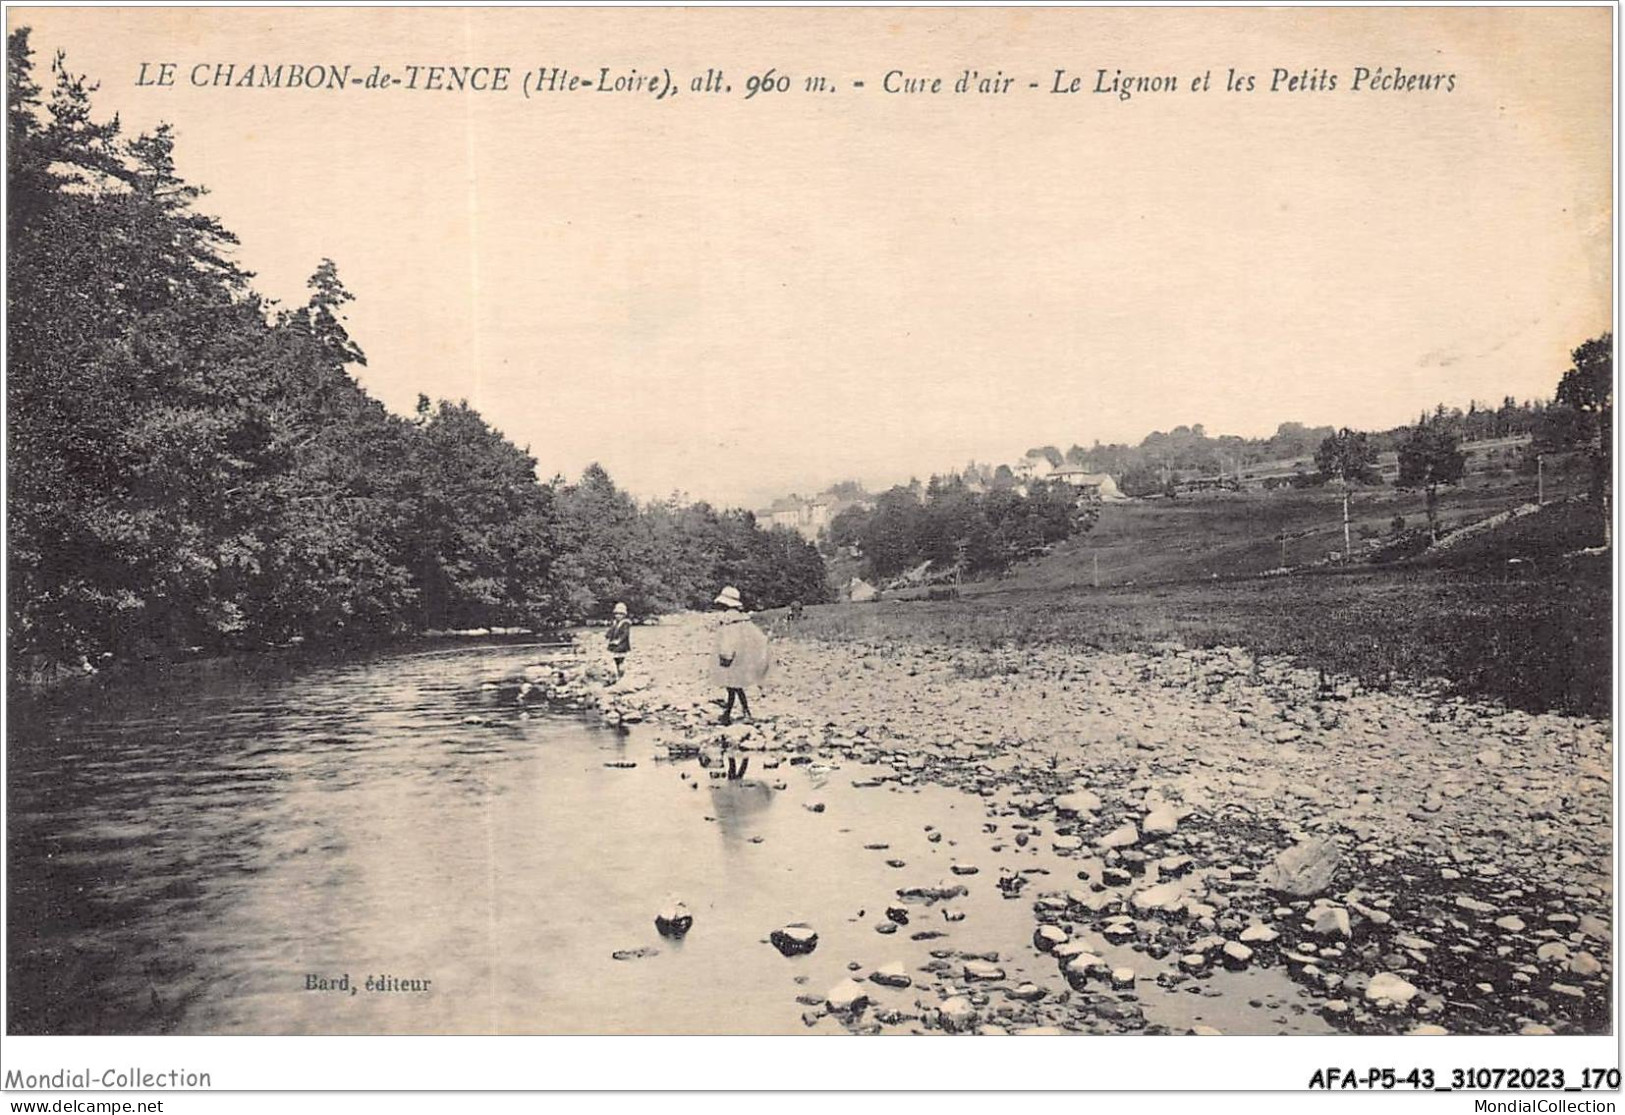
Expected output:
(1089, 485)
(806, 516)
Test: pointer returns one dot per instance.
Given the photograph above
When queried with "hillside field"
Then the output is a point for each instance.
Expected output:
(1536, 633)
(1230, 534)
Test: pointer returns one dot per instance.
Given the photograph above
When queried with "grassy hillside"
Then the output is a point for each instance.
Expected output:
(1536, 635)
(1236, 533)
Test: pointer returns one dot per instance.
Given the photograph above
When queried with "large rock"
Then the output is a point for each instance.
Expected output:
(1163, 896)
(1161, 821)
(1303, 870)
(1084, 967)
(846, 997)
(1331, 921)
(892, 975)
(935, 893)
(982, 970)
(1123, 836)
(1387, 987)
(1079, 803)
(1046, 937)
(957, 1015)
(794, 940)
(1584, 964)
(674, 920)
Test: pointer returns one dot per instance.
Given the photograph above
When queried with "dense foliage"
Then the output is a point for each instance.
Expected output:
(1585, 397)
(955, 526)
(191, 465)
(1346, 456)
(1429, 457)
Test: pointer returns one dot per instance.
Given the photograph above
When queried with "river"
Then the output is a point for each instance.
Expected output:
(214, 852)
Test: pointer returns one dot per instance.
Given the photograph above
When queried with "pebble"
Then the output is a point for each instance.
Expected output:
(1584, 964)
(891, 975)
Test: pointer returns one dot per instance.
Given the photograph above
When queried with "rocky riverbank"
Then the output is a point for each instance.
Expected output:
(1178, 818)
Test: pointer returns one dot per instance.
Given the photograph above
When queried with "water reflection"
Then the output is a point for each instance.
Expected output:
(738, 804)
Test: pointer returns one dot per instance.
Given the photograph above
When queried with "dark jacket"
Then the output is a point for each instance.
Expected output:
(620, 636)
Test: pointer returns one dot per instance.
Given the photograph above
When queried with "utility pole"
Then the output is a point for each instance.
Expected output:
(1097, 568)
(1540, 480)
(1345, 523)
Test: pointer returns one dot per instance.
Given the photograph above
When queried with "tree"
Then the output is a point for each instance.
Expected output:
(1587, 390)
(1428, 458)
(189, 467)
(1347, 456)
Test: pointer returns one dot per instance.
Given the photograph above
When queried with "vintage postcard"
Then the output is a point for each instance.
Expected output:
(941, 522)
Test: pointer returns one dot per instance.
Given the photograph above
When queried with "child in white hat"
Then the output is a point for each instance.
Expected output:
(742, 658)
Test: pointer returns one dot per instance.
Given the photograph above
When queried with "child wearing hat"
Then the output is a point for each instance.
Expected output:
(619, 637)
(742, 658)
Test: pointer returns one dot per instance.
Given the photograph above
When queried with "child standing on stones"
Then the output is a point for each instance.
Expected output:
(619, 637)
(742, 658)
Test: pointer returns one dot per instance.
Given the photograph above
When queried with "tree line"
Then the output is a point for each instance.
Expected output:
(956, 524)
(1146, 469)
(192, 464)
(1578, 421)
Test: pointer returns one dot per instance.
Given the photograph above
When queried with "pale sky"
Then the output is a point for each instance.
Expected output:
(738, 299)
